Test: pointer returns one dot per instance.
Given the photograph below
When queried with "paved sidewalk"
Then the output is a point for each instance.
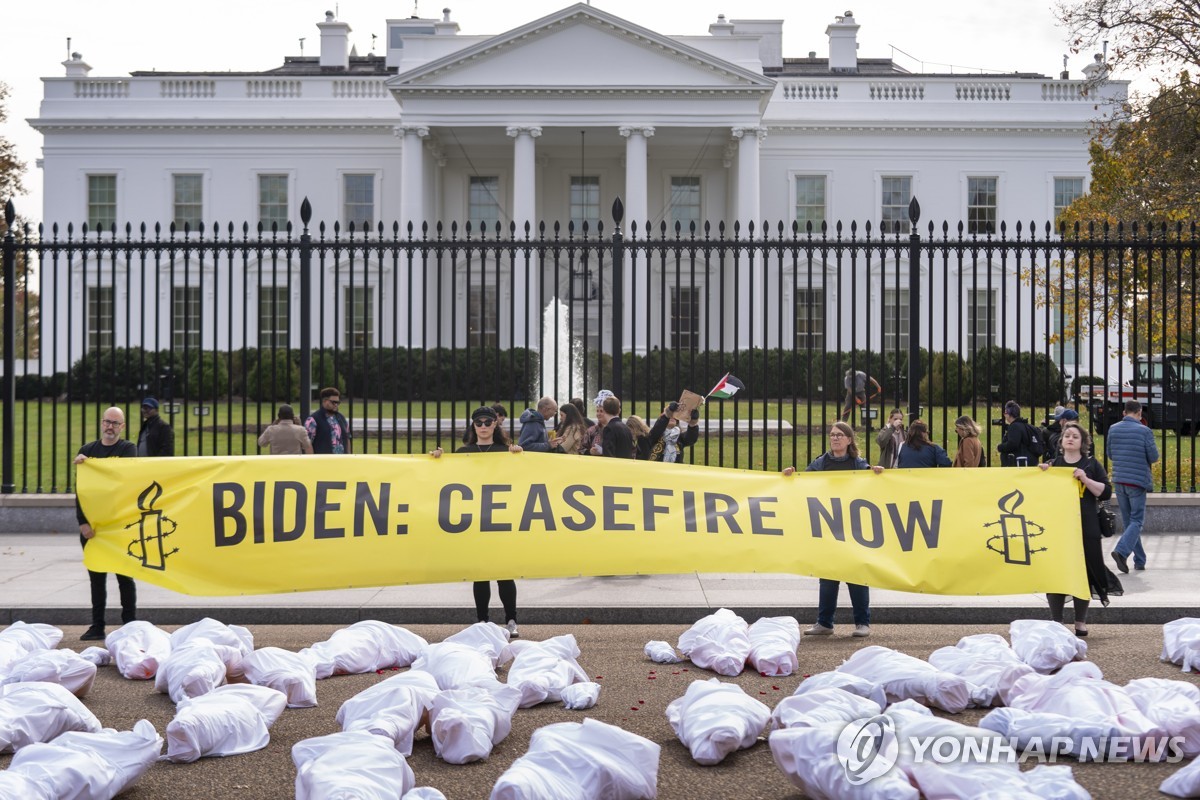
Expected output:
(42, 579)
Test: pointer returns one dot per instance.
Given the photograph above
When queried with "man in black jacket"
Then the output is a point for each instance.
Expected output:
(615, 439)
(156, 437)
(109, 445)
(1017, 449)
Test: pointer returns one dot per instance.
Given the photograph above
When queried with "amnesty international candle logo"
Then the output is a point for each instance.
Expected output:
(1015, 540)
(153, 527)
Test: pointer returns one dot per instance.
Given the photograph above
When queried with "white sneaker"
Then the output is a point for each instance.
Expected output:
(513, 633)
(819, 630)
(861, 631)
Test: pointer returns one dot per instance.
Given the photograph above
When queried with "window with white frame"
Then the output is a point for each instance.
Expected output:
(685, 317)
(359, 316)
(273, 308)
(895, 195)
(981, 319)
(810, 202)
(810, 319)
(1066, 191)
(483, 203)
(358, 201)
(101, 201)
(981, 206)
(685, 204)
(585, 202)
(482, 317)
(273, 202)
(185, 317)
(895, 320)
(187, 201)
(1066, 332)
(99, 317)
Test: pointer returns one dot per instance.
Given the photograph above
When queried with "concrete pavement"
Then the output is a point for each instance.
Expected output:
(42, 579)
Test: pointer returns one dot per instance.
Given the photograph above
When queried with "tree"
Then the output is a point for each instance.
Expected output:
(12, 169)
(1143, 34)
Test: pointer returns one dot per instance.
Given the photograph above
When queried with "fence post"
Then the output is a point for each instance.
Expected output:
(7, 474)
(914, 311)
(618, 323)
(305, 309)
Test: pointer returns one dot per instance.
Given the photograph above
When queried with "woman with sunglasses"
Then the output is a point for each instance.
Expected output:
(485, 436)
(842, 454)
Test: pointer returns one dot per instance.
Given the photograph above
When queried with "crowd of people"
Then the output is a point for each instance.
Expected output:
(567, 429)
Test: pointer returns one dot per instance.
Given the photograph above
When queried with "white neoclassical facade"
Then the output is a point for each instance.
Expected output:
(550, 122)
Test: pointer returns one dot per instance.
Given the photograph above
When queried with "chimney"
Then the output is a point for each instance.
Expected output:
(446, 27)
(721, 27)
(843, 43)
(76, 66)
(335, 41)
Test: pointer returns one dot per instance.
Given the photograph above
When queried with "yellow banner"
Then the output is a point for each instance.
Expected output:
(265, 525)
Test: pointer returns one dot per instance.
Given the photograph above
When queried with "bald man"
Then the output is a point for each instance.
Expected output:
(109, 445)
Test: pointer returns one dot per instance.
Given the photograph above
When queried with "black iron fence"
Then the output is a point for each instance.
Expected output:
(415, 327)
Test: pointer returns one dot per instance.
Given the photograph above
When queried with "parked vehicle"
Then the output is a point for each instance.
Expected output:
(1167, 386)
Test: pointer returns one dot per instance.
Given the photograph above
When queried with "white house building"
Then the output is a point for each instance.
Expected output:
(550, 122)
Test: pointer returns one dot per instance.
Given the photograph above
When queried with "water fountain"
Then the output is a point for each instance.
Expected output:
(562, 356)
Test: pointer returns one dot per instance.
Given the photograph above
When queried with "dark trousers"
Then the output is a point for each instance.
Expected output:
(483, 596)
(827, 595)
(125, 586)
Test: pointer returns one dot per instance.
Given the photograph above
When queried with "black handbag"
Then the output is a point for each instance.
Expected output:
(1108, 520)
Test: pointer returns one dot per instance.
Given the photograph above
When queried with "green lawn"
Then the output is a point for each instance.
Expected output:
(49, 433)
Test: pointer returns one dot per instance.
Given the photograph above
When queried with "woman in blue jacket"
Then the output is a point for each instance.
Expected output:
(919, 451)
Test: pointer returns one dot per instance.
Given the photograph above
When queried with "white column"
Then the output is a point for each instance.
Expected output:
(750, 272)
(524, 212)
(636, 211)
(412, 309)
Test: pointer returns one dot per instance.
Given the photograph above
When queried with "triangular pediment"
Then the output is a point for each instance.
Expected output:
(580, 47)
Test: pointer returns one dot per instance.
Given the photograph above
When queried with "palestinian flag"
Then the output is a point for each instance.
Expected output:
(726, 387)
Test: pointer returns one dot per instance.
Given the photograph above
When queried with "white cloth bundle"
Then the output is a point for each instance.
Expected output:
(21, 638)
(192, 669)
(86, 766)
(808, 756)
(1055, 732)
(423, 793)
(138, 648)
(998, 781)
(229, 720)
(1181, 643)
(363, 647)
(486, 637)
(466, 723)
(231, 642)
(64, 667)
(906, 678)
(455, 666)
(846, 682)
(582, 761)
(820, 706)
(349, 764)
(1175, 705)
(580, 696)
(40, 712)
(288, 672)
(720, 642)
(394, 708)
(661, 652)
(1078, 691)
(714, 719)
(97, 655)
(773, 643)
(1183, 782)
(1045, 645)
(541, 671)
(982, 660)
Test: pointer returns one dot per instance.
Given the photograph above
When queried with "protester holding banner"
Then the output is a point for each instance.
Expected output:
(842, 454)
(970, 451)
(109, 445)
(1075, 452)
(485, 436)
(919, 451)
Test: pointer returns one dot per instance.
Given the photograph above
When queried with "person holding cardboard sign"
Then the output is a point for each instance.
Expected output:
(668, 438)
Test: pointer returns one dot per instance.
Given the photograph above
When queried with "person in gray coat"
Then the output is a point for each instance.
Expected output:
(1130, 447)
(533, 436)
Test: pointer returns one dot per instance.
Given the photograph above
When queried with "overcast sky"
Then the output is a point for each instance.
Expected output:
(117, 38)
